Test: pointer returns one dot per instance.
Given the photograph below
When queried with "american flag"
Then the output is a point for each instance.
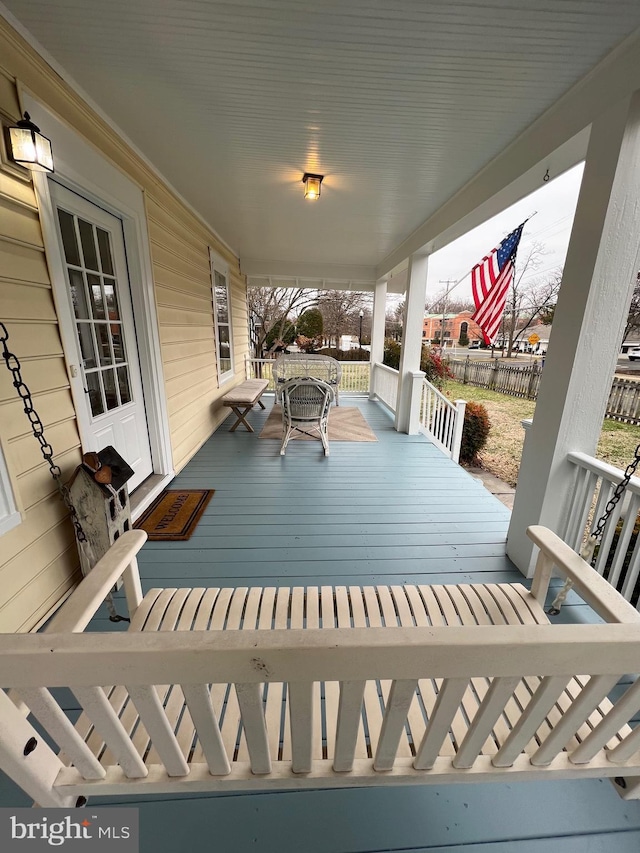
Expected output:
(490, 282)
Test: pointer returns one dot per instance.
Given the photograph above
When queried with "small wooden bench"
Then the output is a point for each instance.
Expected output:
(243, 398)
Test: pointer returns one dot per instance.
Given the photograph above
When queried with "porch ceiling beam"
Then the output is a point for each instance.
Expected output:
(557, 140)
(360, 274)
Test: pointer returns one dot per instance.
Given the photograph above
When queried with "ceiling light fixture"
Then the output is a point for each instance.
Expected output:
(312, 185)
(28, 147)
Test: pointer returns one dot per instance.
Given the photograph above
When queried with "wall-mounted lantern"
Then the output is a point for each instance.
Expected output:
(28, 147)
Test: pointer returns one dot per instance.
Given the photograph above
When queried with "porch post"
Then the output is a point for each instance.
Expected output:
(411, 336)
(377, 327)
(588, 323)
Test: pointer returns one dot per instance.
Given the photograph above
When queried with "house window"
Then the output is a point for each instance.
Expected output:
(9, 515)
(222, 317)
(464, 328)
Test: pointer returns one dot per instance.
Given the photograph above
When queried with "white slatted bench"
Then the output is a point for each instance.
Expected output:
(243, 398)
(307, 687)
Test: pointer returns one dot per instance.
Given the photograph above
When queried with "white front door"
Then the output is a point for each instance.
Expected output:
(105, 369)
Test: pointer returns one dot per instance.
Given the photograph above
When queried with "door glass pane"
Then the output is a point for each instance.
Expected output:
(88, 245)
(116, 339)
(95, 393)
(78, 295)
(68, 232)
(102, 339)
(95, 293)
(86, 346)
(111, 298)
(124, 385)
(105, 251)
(110, 393)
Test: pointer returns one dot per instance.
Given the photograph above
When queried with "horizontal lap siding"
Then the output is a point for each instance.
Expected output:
(180, 255)
(38, 561)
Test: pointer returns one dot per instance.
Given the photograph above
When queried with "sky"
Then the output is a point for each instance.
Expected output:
(555, 203)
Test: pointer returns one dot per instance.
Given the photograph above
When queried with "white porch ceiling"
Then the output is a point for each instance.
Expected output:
(399, 103)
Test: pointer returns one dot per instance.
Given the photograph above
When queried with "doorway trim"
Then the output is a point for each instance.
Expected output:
(83, 169)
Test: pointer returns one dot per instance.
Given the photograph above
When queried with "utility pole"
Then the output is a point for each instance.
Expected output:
(447, 281)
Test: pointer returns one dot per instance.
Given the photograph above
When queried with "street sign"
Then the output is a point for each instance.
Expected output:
(533, 339)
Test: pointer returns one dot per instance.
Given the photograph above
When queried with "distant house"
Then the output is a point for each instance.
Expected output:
(454, 326)
(540, 346)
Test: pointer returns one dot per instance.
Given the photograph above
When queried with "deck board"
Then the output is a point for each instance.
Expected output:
(388, 512)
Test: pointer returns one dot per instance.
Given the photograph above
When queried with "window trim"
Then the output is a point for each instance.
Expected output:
(218, 265)
(10, 515)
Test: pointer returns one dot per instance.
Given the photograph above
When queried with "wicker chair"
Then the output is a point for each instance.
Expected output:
(305, 408)
(298, 365)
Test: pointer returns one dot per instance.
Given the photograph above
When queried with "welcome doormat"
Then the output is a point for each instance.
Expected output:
(174, 515)
(346, 423)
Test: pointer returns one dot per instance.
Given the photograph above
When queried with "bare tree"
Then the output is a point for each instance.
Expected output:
(273, 307)
(537, 298)
(340, 310)
(522, 298)
(393, 321)
(633, 318)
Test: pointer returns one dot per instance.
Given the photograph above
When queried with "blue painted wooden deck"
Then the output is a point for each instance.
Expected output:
(392, 511)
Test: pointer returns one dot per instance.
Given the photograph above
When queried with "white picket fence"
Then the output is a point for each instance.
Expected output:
(618, 556)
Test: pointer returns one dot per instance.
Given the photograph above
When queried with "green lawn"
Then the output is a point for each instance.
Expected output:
(501, 456)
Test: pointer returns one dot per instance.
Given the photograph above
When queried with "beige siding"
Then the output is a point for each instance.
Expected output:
(180, 254)
(38, 563)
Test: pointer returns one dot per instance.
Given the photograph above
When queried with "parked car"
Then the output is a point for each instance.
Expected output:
(634, 354)
(474, 345)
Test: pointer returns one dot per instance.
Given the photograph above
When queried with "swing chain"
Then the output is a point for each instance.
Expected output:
(37, 427)
(596, 534)
(619, 491)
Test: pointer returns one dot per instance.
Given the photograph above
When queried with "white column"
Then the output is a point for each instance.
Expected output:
(411, 336)
(588, 323)
(377, 327)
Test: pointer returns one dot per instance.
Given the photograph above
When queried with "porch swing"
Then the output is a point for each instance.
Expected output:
(224, 689)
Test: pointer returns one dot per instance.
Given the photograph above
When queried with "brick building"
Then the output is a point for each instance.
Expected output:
(454, 326)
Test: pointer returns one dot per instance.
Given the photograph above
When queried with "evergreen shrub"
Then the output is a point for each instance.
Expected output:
(474, 433)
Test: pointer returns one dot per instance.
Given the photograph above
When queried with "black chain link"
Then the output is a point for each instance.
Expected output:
(615, 497)
(587, 552)
(37, 427)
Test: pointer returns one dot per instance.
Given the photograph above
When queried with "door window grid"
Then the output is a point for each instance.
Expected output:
(89, 261)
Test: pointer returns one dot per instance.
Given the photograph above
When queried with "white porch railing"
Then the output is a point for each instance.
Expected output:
(618, 556)
(355, 379)
(384, 385)
(441, 420)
